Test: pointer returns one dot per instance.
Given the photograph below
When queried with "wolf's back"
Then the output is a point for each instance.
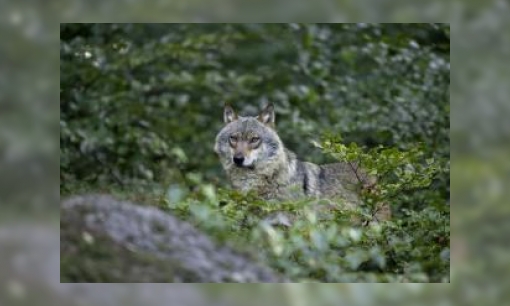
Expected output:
(330, 180)
(345, 180)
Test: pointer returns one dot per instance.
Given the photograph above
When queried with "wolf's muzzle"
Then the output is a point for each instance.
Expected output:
(238, 160)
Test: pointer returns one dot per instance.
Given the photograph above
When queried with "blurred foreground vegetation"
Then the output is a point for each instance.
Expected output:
(141, 105)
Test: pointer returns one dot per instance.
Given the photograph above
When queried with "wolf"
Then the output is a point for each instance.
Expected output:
(255, 159)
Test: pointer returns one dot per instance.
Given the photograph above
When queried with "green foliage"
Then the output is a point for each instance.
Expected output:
(398, 173)
(307, 244)
(141, 105)
(143, 102)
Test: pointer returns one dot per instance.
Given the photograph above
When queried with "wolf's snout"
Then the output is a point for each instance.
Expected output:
(238, 160)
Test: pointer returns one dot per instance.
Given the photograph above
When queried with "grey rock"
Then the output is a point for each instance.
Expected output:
(107, 240)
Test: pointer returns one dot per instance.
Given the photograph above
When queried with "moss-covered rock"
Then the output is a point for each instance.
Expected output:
(106, 240)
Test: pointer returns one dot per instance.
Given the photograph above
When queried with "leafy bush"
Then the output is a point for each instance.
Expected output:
(143, 102)
(307, 244)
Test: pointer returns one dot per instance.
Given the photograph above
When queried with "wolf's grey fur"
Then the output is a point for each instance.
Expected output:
(273, 171)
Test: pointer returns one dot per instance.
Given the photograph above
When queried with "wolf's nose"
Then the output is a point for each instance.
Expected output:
(238, 160)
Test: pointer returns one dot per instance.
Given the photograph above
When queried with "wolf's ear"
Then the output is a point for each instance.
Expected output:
(229, 114)
(267, 116)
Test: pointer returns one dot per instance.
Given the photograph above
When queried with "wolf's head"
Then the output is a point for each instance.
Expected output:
(249, 143)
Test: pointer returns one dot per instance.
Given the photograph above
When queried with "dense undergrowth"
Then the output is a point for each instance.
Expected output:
(317, 240)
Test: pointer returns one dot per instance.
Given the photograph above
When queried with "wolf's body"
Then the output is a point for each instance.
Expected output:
(255, 159)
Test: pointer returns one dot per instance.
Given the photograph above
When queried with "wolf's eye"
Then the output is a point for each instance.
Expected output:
(255, 139)
(233, 138)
